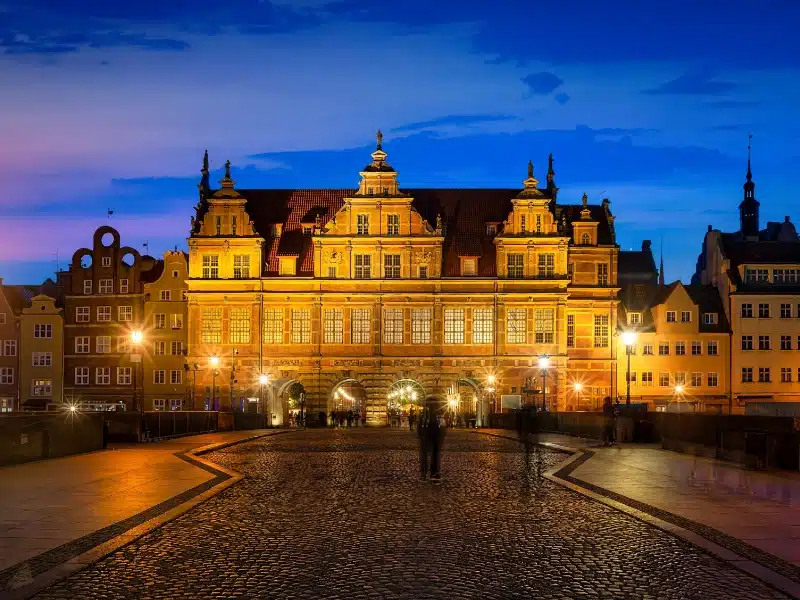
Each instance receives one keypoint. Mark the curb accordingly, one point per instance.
(65, 560)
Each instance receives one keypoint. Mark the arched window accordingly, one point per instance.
(586, 239)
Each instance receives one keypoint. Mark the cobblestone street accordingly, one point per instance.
(343, 514)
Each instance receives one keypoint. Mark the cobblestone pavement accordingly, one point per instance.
(342, 514)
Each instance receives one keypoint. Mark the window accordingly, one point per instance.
(160, 348)
(747, 310)
(331, 272)
(663, 348)
(175, 274)
(393, 326)
(672, 316)
(219, 225)
(9, 348)
(175, 404)
(601, 331)
(634, 318)
(176, 348)
(786, 342)
(712, 380)
(763, 342)
(87, 286)
(522, 224)
(287, 265)
(538, 223)
(123, 286)
(363, 266)
(124, 375)
(680, 348)
(82, 314)
(125, 313)
(332, 326)
(570, 270)
(42, 331)
(763, 311)
(712, 348)
(2, 318)
(631, 376)
(123, 344)
(543, 322)
(7, 375)
(697, 379)
(176, 377)
(602, 274)
(491, 229)
(211, 266)
(360, 326)
(82, 344)
(160, 320)
(517, 325)
(391, 266)
(586, 239)
(647, 378)
(239, 325)
(663, 379)
(786, 311)
(81, 375)
(103, 314)
(362, 225)
(686, 316)
(423, 272)
(106, 261)
(482, 326)
(211, 326)
(763, 375)
(42, 359)
(106, 286)
(241, 266)
(273, 325)
(421, 326)
(301, 326)
(786, 375)
(159, 376)
(647, 349)
(697, 348)
(454, 326)
(102, 376)
(680, 378)
(103, 344)
(515, 266)
(467, 266)
(165, 295)
(307, 229)
(570, 331)
(393, 225)
(709, 318)
(177, 321)
(159, 404)
(747, 342)
(547, 265)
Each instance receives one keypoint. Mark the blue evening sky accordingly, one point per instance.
(109, 104)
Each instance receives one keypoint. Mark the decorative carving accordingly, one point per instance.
(348, 363)
(334, 257)
(226, 247)
(425, 257)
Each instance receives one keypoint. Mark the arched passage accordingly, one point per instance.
(284, 401)
(464, 402)
(347, 403)
(404, 399)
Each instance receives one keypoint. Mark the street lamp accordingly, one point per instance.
(578, 388)
(213, 360)
(629, 339)
(544, 362)
(136, 339)
(263, 380)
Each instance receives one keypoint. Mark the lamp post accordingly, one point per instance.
(234, 352)
(629, 339)
(214, 362)
(263, 380)
(544, 362)
(136, 339)
(194, 368)
(578, 388)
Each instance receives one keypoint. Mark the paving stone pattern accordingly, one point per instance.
(343, 514)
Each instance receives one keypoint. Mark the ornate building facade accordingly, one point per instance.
(378, 287)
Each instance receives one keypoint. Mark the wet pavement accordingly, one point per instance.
(343, 514)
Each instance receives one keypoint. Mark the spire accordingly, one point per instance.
(661, 267)
(530, 169)
(205, 184)
(748, 208)
(749, 186)
(551, 174)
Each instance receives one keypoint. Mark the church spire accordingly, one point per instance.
(551, 173)
(748, 209)
(205, 184)
(661, 266)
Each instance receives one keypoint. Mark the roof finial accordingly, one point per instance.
(227, 169)
(749, 141)
(379, 136)
(585, 200)
(530, 169)
(205, 161)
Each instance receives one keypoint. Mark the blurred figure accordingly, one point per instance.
(608, 421)
(430, 430)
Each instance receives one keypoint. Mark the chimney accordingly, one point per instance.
(786, 219)
(709, 229)
(646, 245)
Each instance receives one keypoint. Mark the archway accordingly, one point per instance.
(286, 402)
(404, 399)
(464, 402)
(347, 404)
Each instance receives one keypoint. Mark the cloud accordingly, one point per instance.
(457, 120)
(542, 83)
(700, 84)
(562, 98)
(732, 104)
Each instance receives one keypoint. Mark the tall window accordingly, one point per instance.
(81, 375)
(103, 344)
(42, 359)
(103, 314)
(393, 326)
(87, 286)
(672, 316)
(124, 375)
(586, 239)
(166, 295)
(482, 325)
(538, 223)
(363, 266)
(332, 326)
(301, 325)
(680, 348)
(712, 380)
(570, 331)
(516, 266)
(547, 265)
(125, 313)
(160, 376)
(176, 348)
(763, 310)
(211, 266)
(393, 225)
(362, 225)
(124, 344)
(211, 326)
(241, 266)
(160, 348)
(360, 326)
(686, 316)
(9, 347)
(697, 348)
(697, 379)
(82, 344)
(544, 325)
(160, 320)
(391, 266)
(123, 286)
(763, 375)
(601, 331)
(523, 224)
(423, 272)
(273, 325)
(176, 321)
(764, 342)
(421, 326)
(82, 314)
(454, 326)
(747, 374)
(175, 377)
(239, 326)
(747, 342)
(712, 348)
(106, 286)
(102, 376)
(517, 325)
(747, 310)
(602, 274)
(43, 330)
(786, 342)
(786, 311)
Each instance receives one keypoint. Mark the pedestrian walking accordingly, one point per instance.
(430, 431)
(608, 421)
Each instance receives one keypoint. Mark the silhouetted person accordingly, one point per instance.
(430, 430)
(608, 421)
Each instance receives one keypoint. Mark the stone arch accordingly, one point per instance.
(278, 403)
(102, 231)
(405, 396)
(78, 259)
(348, 394)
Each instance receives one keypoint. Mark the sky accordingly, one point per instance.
(110, 105)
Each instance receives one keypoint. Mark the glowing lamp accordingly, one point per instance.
(136, 337)
(678, 389)
(629, 338)
(490, 379)
(214, 360)
(263, 379)
(544, 362)
(578, 387)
